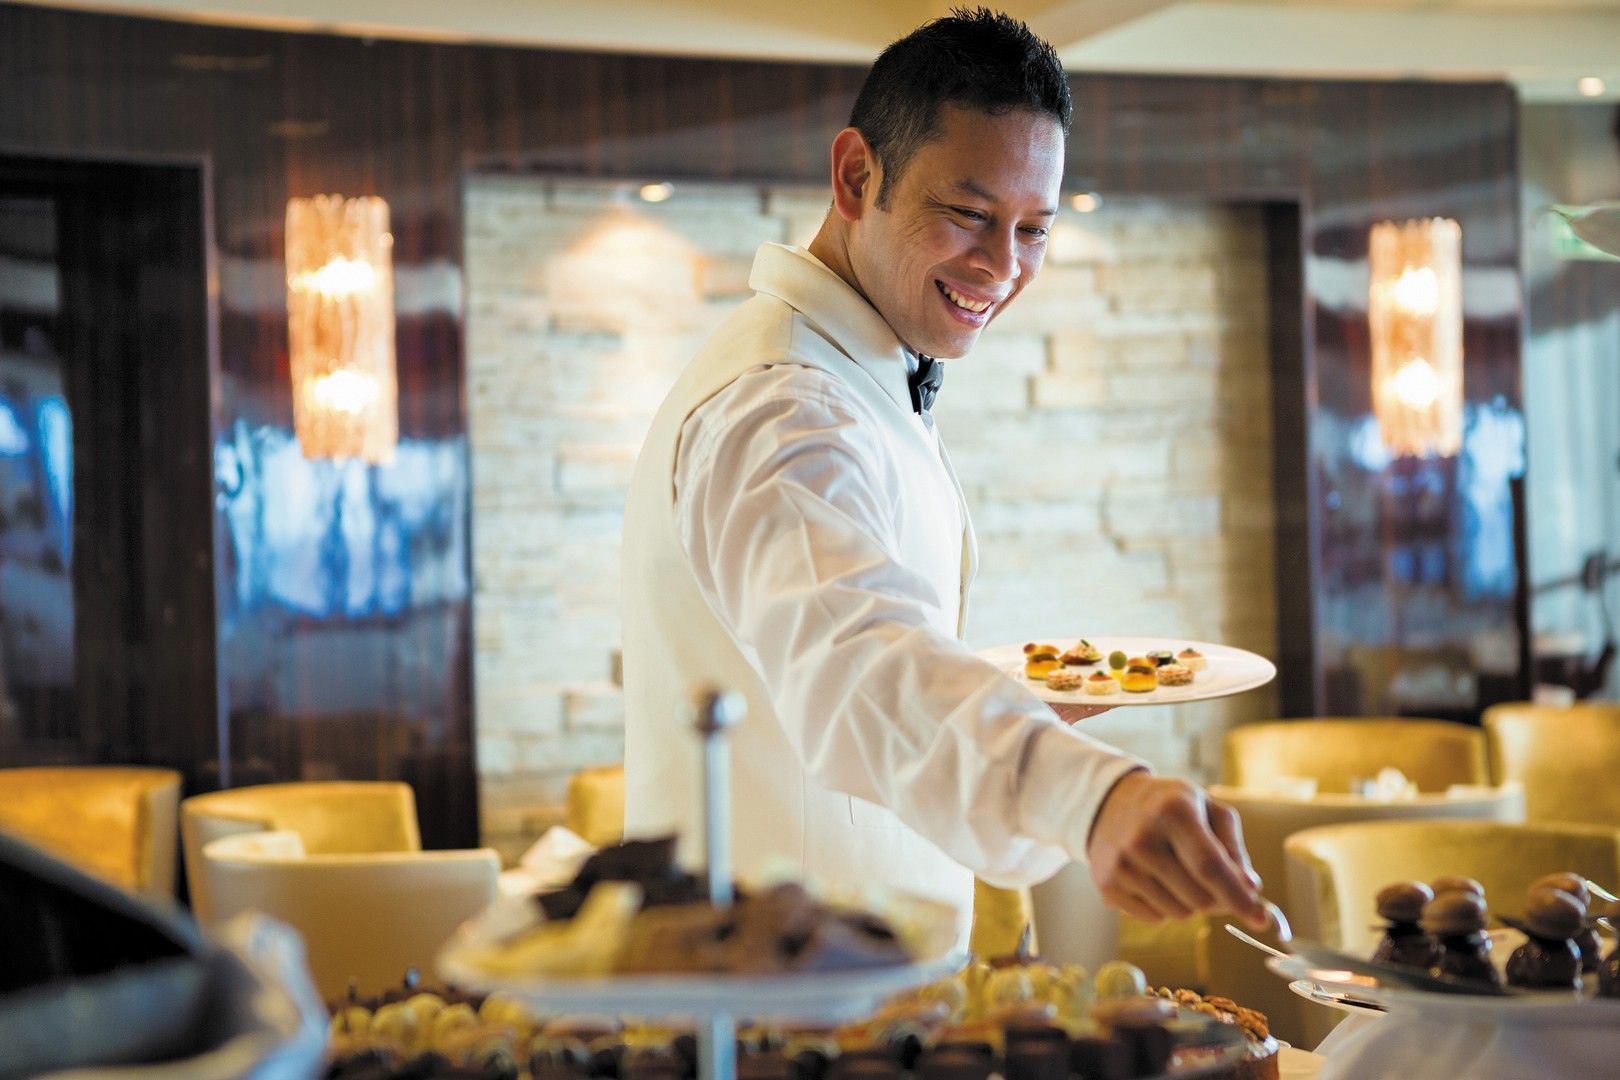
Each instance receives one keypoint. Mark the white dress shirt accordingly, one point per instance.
(834, 557)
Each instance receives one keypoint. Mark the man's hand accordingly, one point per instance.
(1070, 714)
(1162, 849)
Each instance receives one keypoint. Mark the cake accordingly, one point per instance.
(1065, 680)
(1140, 676)
(1173, 674)
(1263, 1058)
(1099, 683)
(1192, 659)
(1040, 661)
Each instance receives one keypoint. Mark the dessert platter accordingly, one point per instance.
(1116, 671)
(1012, 1016)
(634, 933)
(1439, 957)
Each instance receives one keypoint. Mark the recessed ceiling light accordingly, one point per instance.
(1086, 201)
(1591, 86)
(657, 192)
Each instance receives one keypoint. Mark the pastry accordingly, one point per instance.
(1549, 958)
(1587, 940)
(1405, 942)
(1099, 683)
(1083, 654)
(1161, 657)
(1453, 883)
(1456, 920)
(1263, 1061)
(1065, 680)
(1140, 676)
(1174, 674)
(1040, 660)
(1191, 659)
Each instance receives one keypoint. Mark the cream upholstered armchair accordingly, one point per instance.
(363, 916)
(1434, 754)
(1566, 757)
(115, 822)
(336, 817)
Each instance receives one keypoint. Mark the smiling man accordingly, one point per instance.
(795, 532)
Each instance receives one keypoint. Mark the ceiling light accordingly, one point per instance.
(1086, 201)
(657, 192)
(1591, 86)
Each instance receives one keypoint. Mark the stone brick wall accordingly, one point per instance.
(1112, 431)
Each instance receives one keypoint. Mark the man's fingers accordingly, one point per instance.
(1207, 860)
(1157, 861)
(1228, 829)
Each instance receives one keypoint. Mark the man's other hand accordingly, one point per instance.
(1162, 849)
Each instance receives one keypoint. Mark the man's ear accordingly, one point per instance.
(856, 174)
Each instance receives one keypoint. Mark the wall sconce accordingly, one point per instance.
(340, 328)
(1414, 306)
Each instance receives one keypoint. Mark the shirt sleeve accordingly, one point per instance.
(785, 509)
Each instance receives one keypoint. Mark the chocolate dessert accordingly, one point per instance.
(1587, 940)
(1549, 959)
(649, 864)
(1405, 942)
(1456, 919)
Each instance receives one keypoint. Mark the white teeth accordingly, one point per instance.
(963, 302)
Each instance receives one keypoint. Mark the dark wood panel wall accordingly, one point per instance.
(278, 115)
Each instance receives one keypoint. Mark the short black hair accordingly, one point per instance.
(973, 58)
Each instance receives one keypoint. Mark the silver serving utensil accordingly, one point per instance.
(1279, 921)
(1249, 939)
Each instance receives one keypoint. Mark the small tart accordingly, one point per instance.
(1192, 659)
(1083, 654)
(1099, 684)
(1060, 679)
(1161, 657)
(1174, 675)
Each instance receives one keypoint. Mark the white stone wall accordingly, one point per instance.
(1112, 431)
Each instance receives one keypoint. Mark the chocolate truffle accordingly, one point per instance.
(1456, 919)
(1405, 942)
(1549, 959)
(1447, 883)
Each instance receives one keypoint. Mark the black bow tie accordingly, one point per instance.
(925, 383)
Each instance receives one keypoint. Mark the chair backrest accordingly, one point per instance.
(1434, 754)
(367, 917)
(331, 817)
(1335, 872)
(1567, 758)
(1268, 821)
(596, 804)
(112, 821)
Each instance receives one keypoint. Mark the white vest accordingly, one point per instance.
(673, 643)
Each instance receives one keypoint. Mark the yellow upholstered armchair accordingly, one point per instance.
(117, 823)
(363, 916)
(1434, 754)
(1566, 757)
(337, 817)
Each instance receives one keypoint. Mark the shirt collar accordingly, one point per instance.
(844, 317)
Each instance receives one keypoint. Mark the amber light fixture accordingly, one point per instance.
(1414, 306)
(340, 328)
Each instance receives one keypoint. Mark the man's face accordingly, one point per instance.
(965, 227)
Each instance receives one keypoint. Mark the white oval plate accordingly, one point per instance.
(1550, 1009)
(1230, 671)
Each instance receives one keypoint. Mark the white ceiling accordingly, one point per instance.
(1542, 45)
